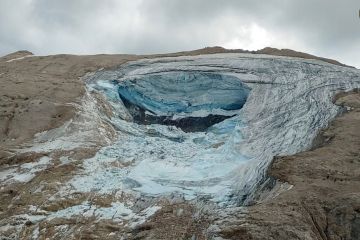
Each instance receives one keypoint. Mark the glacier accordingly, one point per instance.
(250, 109)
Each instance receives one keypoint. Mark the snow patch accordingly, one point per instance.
(25, 172)
(118, 212)
(19, 58)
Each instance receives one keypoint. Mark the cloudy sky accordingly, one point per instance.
(328, 28)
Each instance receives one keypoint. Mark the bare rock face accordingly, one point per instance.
(220, 146)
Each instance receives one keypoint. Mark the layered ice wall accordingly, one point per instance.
(184, 92)
(268, 106)
(189, 100)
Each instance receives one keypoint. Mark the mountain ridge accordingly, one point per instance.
(212, 50)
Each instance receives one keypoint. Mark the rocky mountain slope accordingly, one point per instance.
(178, 147)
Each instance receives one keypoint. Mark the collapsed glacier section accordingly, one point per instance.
(189, 100)
(289, 101)
(176, 135)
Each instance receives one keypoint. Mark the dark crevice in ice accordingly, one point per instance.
(187, 124)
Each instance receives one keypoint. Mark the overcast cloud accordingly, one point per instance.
(328, 28)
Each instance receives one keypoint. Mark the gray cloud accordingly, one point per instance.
(328, 28)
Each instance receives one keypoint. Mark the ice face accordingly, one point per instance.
(184, 92)
(189, 100)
